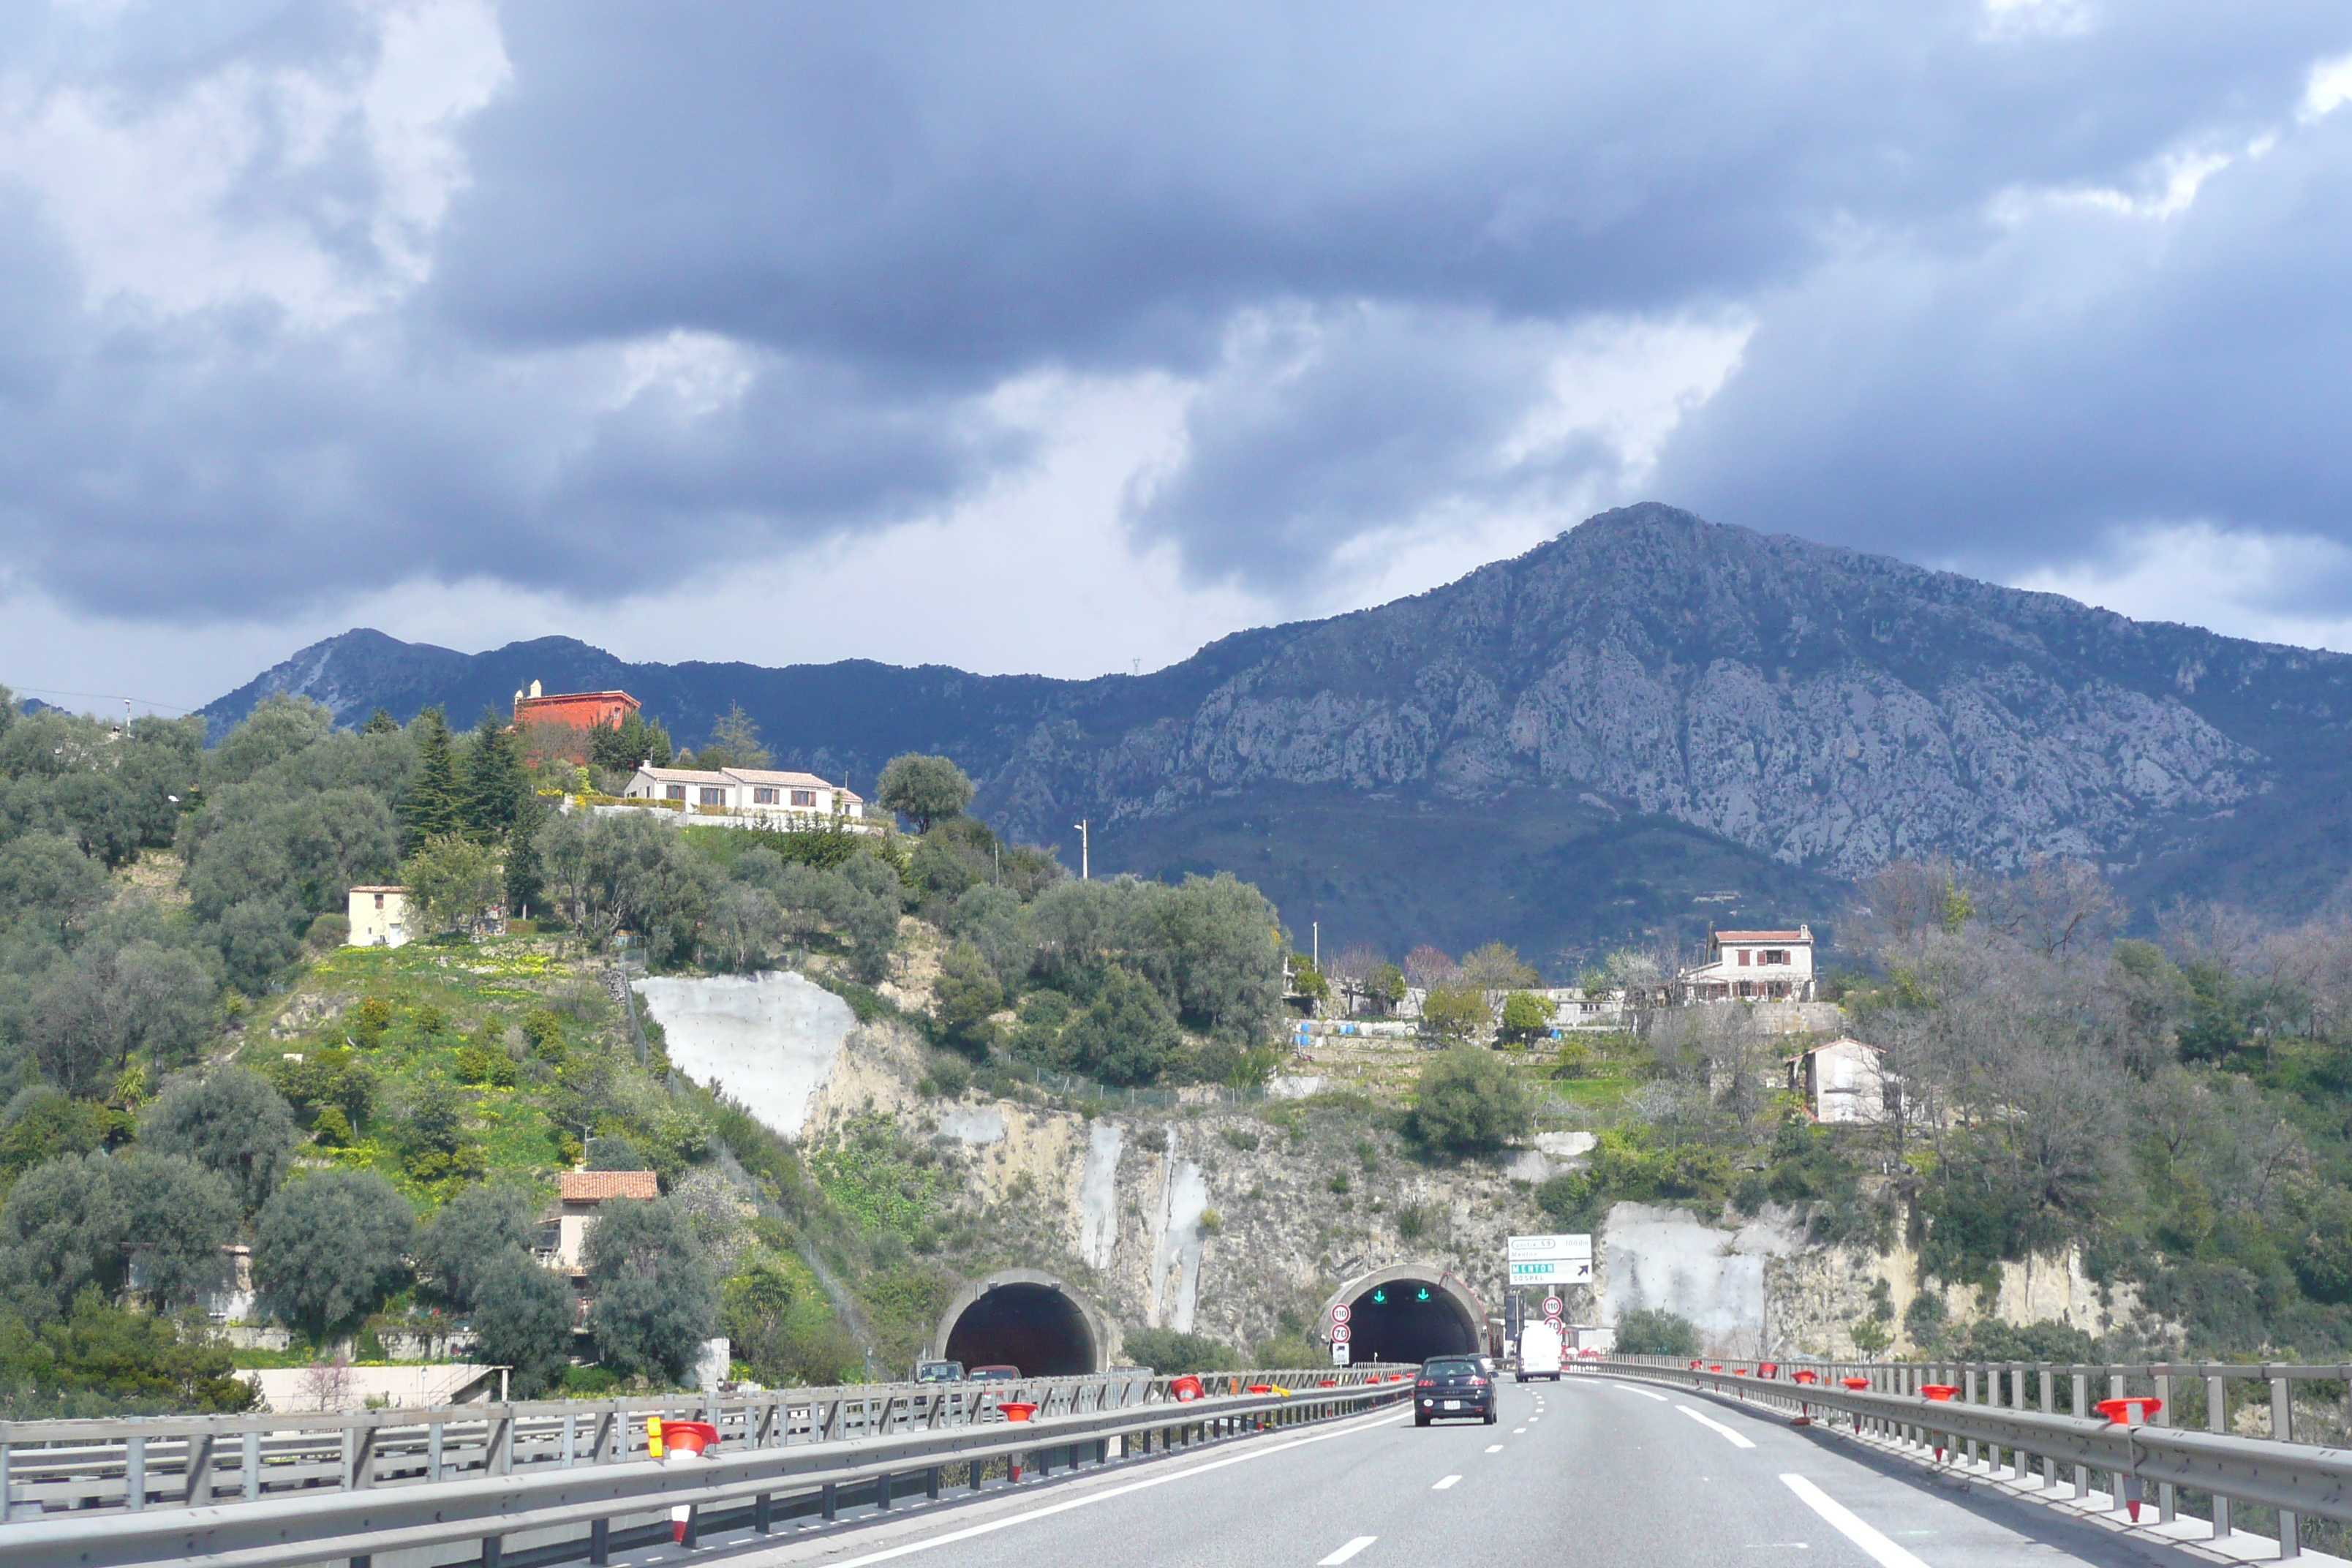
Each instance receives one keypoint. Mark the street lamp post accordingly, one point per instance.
(1081, 825)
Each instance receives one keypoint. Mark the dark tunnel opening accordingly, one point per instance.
(1032, 1327)
(1408, 1321)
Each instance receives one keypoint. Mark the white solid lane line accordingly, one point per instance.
(890, 1553)
(1448, 1481)
(1882, 1551)
(1736, 1439)
(1347, 1552)
(1643, 1392)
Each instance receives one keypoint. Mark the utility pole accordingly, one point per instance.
(1317, 928)
(1081, 825)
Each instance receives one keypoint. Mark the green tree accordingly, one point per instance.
(331, 1246)
(1126, 1037)
(1526, 1016)
(1172, 1354)
(1647, 1331)
(924, 789)
(278, 727)
(435, 801)
(380, 723)
(1469, 1101)
(654, 1304)
(452, 879)
(177, 1218)
(233, 1122)
(43, 1123)
(100, 1358)
(755, 1308)
(48, 886)
(522, 1315)
(964, 996)
(734, 743)
(497, 788)
(475, 1226)
(1455, 1011)
(92, 1220)
(629, 745)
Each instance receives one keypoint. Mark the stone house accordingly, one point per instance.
(1765, 965)
(379, 918)
(1844, 1082)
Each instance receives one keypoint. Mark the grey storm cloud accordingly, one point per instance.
(304, 297)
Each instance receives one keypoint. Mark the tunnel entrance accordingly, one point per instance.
(1409, 1314)
(1025, 1319)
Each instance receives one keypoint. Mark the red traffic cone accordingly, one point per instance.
(2132, 1410)
(683, 1443)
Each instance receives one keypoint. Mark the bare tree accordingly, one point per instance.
(1426, 966)
(2055, 908)
(1903, 901)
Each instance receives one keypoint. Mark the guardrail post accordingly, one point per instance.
(932, 1484)
(600, 1542)
(135, 1473)
(2216, 1419)
(2283, 1431)
(829, 1502)
(197, 1480)
(976, 1467)
(491, 1545)
(252, 1466)
(882, 1492)
(2166, 1500)
(433, 1441)
(2081, 1387)
(7, 1497)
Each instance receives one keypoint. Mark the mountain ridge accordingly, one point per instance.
(1772, 713)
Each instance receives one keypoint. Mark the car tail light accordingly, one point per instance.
(1426, 1383)
(1477, 1382)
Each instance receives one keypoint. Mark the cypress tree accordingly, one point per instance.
(435, 801)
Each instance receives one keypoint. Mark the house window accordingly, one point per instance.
(379, 901)
(675, 793)
(1774, 955)
(803, 797)
(763, 795)
(713, 796)
(1743, 958)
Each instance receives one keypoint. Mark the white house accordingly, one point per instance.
(1775, 965)
(1844, 1082)
(796, 800)
(379, 918)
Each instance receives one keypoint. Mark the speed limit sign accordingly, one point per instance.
(1342, 1313)
(1552, 1306)
(1342, 1333)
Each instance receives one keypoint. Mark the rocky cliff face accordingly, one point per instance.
(1679, 711)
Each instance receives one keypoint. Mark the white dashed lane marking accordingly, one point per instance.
(1882, 1551)
(1736, 1439)
(1347, 1552)
(1442, 1484)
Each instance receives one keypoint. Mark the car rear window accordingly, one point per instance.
(1457, 1367)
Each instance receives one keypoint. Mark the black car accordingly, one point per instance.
(1453, 1388)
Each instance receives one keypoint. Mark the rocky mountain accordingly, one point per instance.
(1643, 724)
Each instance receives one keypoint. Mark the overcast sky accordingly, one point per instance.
(1030, 337)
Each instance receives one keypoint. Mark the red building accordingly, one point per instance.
(580, 710)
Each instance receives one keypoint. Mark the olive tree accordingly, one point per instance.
(655, 1303)
(522, 1315)
(333, 1246)
(924, 789)
(1469, 1101)
(233, 1122)
(474, 1228)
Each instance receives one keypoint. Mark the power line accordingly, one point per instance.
(100, 697)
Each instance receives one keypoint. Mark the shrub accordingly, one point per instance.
(329, 931)
(1172, 1354)
(1469, 1101)
(1656, 1332)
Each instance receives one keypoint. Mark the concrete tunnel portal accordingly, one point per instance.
(1021, 1317)
(1408, 1314)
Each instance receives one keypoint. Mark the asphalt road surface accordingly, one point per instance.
(1587, 1471)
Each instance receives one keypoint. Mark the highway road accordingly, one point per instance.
(1588, 1471)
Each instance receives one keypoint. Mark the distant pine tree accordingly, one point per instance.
(435, 801)
(380, 723)
(498, 786)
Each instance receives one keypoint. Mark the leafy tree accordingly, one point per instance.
(522, 1315)
(48, 886)
(434, 1138)
(1455, 1011)
(1126, 1037)
(1468, 1101)
(609, 1153)
(89, 1017)
(626, 872)
(1172, 1354)
(101, 1359)
(965, 995)
(474, 1227)
(924, 789)
(745, 927)
(1307, 980)
(754, 1309)
(257, 940)
(1647, 1331)
(435, 801)
(453, 879)
(1497, 968)
(176, 1217)
(331, 1246)
(43, 1123)
(654, 1304)
(1385, 986)
(380, 723)
(278, 727)
(1526, 1016)
(61, 1230)
(498, 790)
(305, 852)
(233, 1122)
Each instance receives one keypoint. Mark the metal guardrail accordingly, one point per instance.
(919, 1430)
(2300, 1479)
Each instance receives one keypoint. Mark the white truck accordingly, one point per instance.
(1539, 1349)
